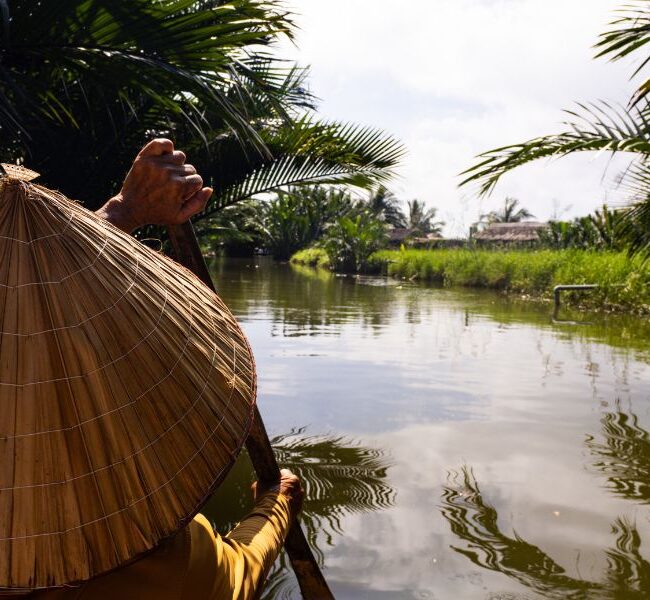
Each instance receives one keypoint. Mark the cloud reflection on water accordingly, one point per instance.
(439, 378)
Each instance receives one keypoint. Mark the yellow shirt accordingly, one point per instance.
(197, 564)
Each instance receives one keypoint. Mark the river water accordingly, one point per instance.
(453, 443)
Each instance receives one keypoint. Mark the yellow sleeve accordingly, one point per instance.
(236, 566)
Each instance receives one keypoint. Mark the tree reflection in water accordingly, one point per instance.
(623, 456)
(475, 524)
(340, 477)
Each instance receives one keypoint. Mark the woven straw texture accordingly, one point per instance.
(126, 392)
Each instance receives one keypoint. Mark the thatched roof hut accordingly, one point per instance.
(423, 241)
(524, 232)
(399, 235)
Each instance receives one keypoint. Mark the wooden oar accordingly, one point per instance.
(310, 578)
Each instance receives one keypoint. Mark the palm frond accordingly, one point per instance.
(170, 52)
(595, 127)
(633, 224)
(310, 152)
(629, 33)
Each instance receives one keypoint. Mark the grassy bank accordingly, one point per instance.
(311, 257)
(624, 282)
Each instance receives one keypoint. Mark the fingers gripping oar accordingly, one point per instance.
(310, 578)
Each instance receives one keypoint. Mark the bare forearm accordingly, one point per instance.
(118, 214)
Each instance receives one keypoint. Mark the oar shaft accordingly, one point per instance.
(310, 578)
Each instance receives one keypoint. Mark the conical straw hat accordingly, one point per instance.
(126, 392)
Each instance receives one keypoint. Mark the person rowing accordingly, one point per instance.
(127, 390)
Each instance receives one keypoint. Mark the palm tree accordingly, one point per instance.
(84, 82)
(421, 219)
(598, 127)
(385, 205)
(296, 218)
(509, 213)
(352, 239)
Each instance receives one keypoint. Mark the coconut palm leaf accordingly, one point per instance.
(90, 51)
(595, 127)
(633, 222)
(509, 213)
(629, 33)
(385, 205)
(308, 151)
(105, 146)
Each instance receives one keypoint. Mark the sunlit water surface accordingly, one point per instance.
(454, 444)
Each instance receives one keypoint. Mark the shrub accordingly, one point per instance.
(312, 257)
(351, 240)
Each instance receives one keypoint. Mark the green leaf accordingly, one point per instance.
(310, 151)
(594, 127)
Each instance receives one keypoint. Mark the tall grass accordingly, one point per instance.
(624, 282)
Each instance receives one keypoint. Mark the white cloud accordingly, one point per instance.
(453, 78)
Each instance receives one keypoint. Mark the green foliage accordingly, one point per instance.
(298, 217)
(600, 230)
(594, 128)
(351, 240)
(301, 152)
(312, 257)
(629, 32)
(597, 127)
(83, 83)
(624, 282)
(237, 229)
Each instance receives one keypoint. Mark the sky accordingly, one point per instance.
(453, 78)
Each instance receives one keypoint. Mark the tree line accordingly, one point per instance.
(348, 227)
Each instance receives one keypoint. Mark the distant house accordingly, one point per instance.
(399, 235)
(525, 232)
(425, 241)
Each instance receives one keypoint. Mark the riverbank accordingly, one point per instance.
(624, 283)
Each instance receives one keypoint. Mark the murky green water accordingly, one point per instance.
(454, 444)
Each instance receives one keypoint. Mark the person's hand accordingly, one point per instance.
(289, 486)
(159, 189)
